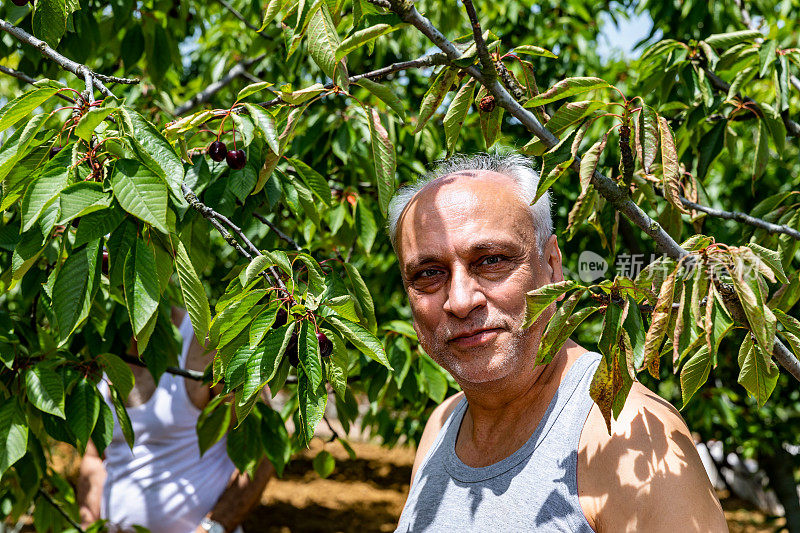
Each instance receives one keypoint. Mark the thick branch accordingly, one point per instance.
(277, 231)
(488, 68)
(177, 371)
(239, 16)
(217, 220)
(792, 127)
(64, 62)
(239, 69)
(617, 197)
(27, 79)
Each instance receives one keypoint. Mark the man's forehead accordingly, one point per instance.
(477, 199)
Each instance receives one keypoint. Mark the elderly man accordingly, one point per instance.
(523, 447)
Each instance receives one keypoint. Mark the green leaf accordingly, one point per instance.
(266, 125)
(531, 50)
(90, 120)
(771, 258)
(301, 95)
(322, 44)
(244, 445)
(262, 324)
(434, 96)
(695, 372)
(386, 95)
(548, 346)
(122, 416)
(140, 192)
(43, 191)
(213, 423)
(758, 314)
(766, 56)
(157, 153)
(318, 185)
(82, 198)
(457, 112)
(366, 228)
(74, 286)
(49, 20)
(272, 8)
(606, 384)
(253, 88)
(433, 378)
(490, 124)
(759, 374)
(670, 175)
(13, 434)
(324, 463)
(308, 354)
(274, 438)
(726, 40)
(362, 295)
(141, 286)
(589, 162)
(103, 430)
(710, 146)
(265, 361)
(316, 279)
(762, 150)
(647, 136)
(97, 224)
(256, 267)
(118, 372)
(566, 88)
(362, 37)
(555, 162)
(361, 338)
(383, 157)
(540, 299)
(612, 329)
(45, 389)
(194, 295)
(19, 107)
(312, 405)
(82, 409)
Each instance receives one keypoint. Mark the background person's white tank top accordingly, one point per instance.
(163, 483)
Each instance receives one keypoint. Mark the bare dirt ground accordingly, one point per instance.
(367, 495)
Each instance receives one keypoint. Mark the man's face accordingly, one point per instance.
(468, 254)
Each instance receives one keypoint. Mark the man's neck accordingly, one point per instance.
(502, 416)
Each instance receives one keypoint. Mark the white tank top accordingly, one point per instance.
(163, 483)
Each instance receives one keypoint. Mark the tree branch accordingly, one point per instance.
(741, 217)
(177, 371)
(61, 510)
(239, 69)
(239, 16)
(277, 231)
(217, 220)
(617, 197)
(27, 79)
(488, 68)
(792, 127)
(64, 62)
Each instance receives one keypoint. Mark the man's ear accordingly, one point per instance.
(553, 258)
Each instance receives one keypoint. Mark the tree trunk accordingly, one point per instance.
(779, 467)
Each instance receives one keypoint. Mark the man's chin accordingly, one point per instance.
(476, 370)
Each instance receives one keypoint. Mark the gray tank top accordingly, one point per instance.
(533, 489)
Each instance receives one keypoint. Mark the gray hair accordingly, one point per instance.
(515, 166)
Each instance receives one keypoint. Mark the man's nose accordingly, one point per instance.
(464, 293)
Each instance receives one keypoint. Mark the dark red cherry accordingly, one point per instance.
(217, 150)
(19, 2)
(325, 345)
(53, 151)
(236, 159)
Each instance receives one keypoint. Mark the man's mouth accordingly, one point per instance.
(474, 338)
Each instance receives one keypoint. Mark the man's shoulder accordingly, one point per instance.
(432, 428)
(648, 459)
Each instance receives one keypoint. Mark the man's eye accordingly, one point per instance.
(428, 273)
(492, 260)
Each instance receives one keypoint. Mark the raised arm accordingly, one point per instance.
(91, 477)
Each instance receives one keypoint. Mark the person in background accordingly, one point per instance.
(163, 483)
